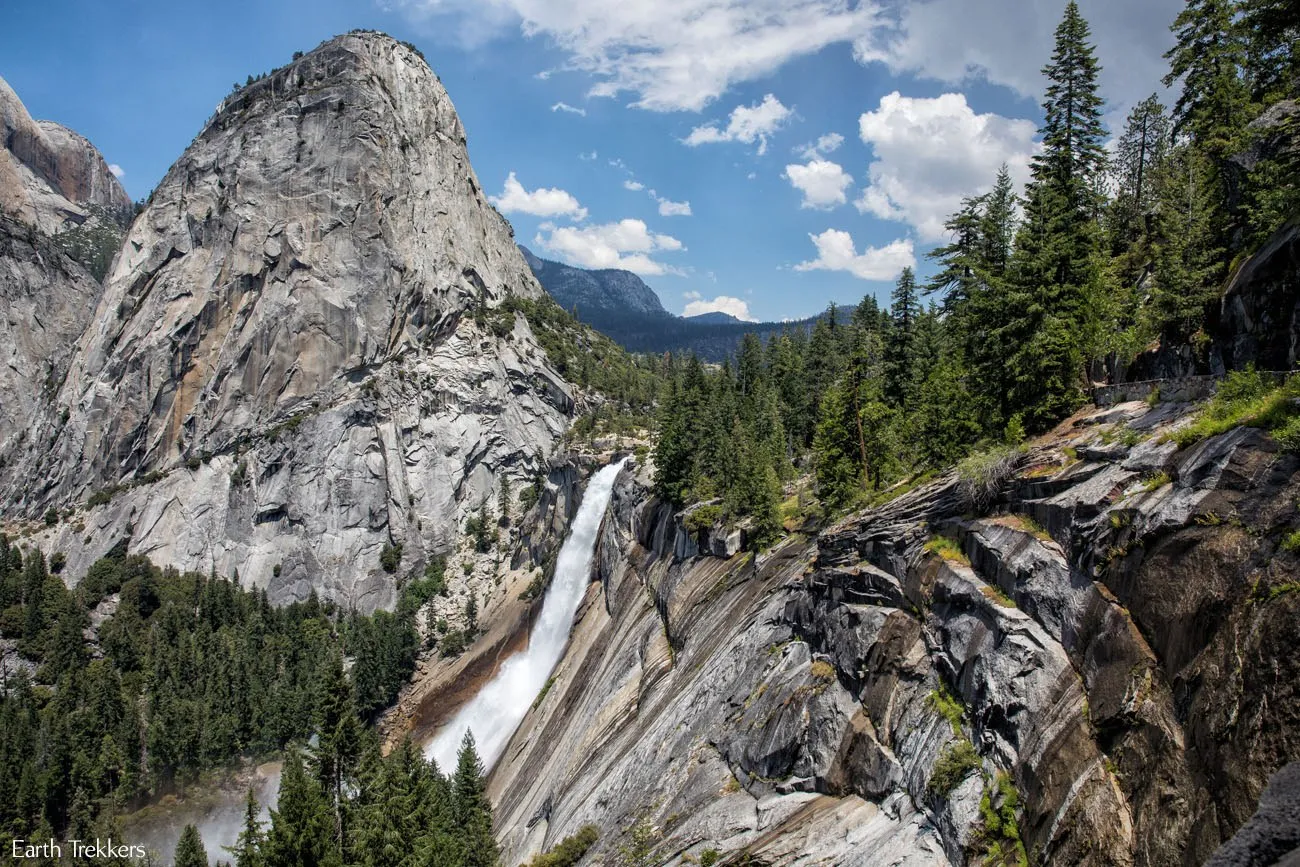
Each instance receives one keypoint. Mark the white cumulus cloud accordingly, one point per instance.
(627, 244)
(569, 109)
(824, 184)
(634, 186)
(837, 252)
(670, 54)
(747, 123)
(116, 170)
(929, 153)
(721, 304)
(541, 202)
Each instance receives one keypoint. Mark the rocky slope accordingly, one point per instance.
(299, 357)
(1097, 663)
(46, 300)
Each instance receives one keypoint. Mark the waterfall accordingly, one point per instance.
(495, 713)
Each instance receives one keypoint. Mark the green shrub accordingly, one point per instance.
(57, 562)
(533, 590)
(1158, 480)
(953, 765)
(998, 833)
(948, 706)
(570, 850)
(704, 518)
(453, 643)
(1247, 398)
(390, 557)
(709, 857)
(1291, 542)
(481, 530)
(528, 497)
(13, 621)
(51, 516)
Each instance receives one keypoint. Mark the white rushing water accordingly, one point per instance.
(495, 713)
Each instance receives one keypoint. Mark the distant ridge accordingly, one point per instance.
(619, 304)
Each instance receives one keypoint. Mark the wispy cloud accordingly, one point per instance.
(569, 109)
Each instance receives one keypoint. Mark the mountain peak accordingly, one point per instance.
(313, 284)
(51, 176)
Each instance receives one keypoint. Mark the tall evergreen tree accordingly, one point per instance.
(189, 849)
(904, 311)
(302, 829)
(472, 811)
(1052, 322)
(247, 848)
(1138, 155)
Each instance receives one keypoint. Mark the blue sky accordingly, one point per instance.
(762, 157)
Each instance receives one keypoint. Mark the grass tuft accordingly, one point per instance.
(948, 549)
(980, 476)
(954, 764)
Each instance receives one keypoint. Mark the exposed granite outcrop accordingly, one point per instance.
(300, 355)
(1114, 638)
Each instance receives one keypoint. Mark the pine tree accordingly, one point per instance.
(904, 311)
(1207, 58)
(997, 230)
(1214, 105)
(959, 265)
(247, 849)
(1273, 34)
(1052, 304)
(189, 850)
(338, 736)
(945, 421)
(472, 811)
(1138, 155)
(301, 825)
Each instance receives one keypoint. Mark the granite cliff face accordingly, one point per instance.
(1102, 649)
(51, 180)
(46, 300)
(300, 355)
(50, 176)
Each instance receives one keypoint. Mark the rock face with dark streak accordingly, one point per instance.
(1259, 315)
(1116, 640)
(301, 354)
